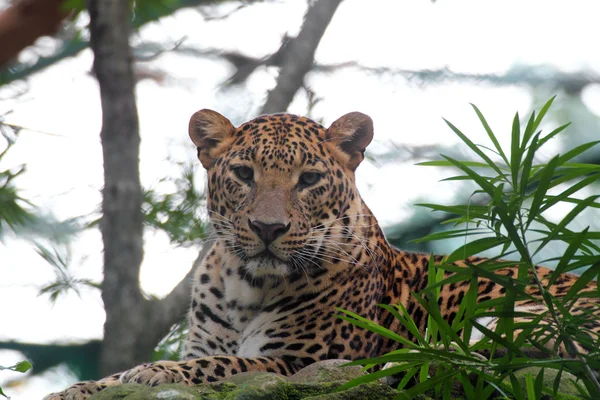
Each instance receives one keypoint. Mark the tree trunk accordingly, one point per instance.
(299, 57)
(121, 223)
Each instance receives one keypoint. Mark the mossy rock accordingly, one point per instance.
(565, 386)
(368, 391)
(142, 392)
(262, 386)
(327, 371)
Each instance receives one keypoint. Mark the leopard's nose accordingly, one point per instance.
(268, 232)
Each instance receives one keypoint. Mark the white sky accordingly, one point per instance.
(62, 112)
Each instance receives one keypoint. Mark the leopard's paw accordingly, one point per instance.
(78, 391)
(155, 373)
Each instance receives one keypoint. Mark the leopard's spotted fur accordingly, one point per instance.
(293, 241)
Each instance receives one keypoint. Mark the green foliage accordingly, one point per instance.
(177, 212)
(22, 366)
(13, 208)
(171, 346)
(519, 198)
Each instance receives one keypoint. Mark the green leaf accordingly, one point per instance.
(490, 134)
(474, 147)
(582, 281)
(372, 326)
(542, 113)
(442, 163)
(566, 220)
(515, 151)
(529, 129)
(567, 256)
(376, 376)
(432, 382)
(552, 134)
(552, 200)
(527, 164)
(576, 151)
(450, 234)
(475, 247)
(529, 386)
(539, 383)
(23, 366)
(481, 181)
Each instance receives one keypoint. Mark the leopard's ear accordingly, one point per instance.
(207, 130)
(352, 133)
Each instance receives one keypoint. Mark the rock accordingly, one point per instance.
(327, 371)
(244, 377)
(260, 386)
(566, 385)
(118, 392)
(142, 392)
(368, 391)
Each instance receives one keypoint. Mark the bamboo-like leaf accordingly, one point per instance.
(566, 220)
(490, 134)
(530, 387)
(567, 256)
(496, 337)
(407, 377)
(449, 235)
(576, 151)
(460, 209)
(406, 320)
(542, 113)
(432, 382)
(529, 129)
(476, 149)
(442, 163)
(435, 314)
(515, 151)
(552, 134)
(364, 323)
(582, 281)
(544, 183)
(552, 200)
(475, 247)
(377, 375)
(527, 164)
(481, 181)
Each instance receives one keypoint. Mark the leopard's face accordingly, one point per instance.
(280, 186)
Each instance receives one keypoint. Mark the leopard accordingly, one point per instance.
(293, 242)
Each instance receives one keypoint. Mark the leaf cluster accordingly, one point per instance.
(520, 194)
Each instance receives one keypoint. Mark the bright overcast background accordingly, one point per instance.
(61, 113)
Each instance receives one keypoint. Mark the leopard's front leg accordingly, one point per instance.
(205, 369)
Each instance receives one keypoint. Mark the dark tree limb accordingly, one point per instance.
(25, 21)
(170, 310)
(74, 46)
(121, 223)
(299, 54)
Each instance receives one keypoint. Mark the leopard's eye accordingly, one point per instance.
(309, 178)
(244, 173)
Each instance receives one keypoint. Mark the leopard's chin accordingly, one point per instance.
(267, 264)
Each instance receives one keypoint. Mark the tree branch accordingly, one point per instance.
(299, 56)
(24, 22)
(72, 47)
(174, 306)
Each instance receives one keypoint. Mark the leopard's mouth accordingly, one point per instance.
(266, 255)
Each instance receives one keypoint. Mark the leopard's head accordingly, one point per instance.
(281, 187)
